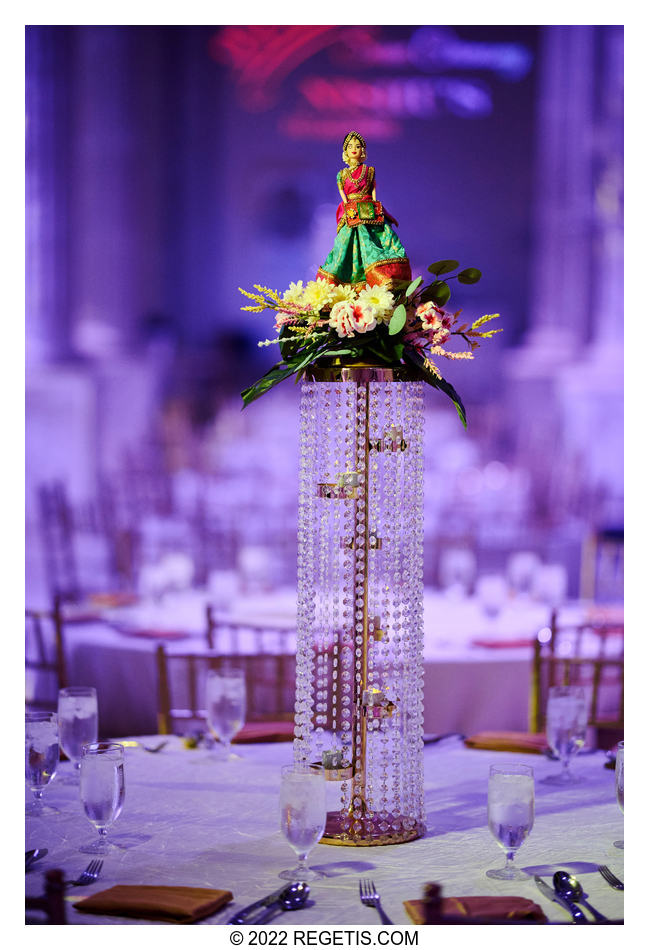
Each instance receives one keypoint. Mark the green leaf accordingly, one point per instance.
(277, 373)
(443, 267)
(439, 292)
(413, 286)
(397, 320)
(470, 275)
(398, 351)
(438, 383)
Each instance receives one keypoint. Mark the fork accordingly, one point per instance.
(89, 876)
(610, 878)
(370, 898)
(155, 748)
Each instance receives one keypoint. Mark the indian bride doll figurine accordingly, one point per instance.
(367, 249)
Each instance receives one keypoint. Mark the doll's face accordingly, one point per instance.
(354, 150)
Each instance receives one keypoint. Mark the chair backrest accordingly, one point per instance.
(583, 654)
(270, 686)
(52, 902)
(45, 668)
(602, 566)
(236, 637)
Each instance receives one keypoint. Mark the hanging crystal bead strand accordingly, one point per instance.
(413, 601)
(306, 574)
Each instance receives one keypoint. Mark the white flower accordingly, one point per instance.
(318, 294)
(294, 293)
(341, 318)
(379, 298)
(364, 317)
(349, 318)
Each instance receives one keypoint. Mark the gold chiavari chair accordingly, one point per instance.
(45, 666)
(270, 692)
(589, 654)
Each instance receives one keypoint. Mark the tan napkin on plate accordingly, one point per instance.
(176, 905)
(508, 741)
(486, 908)
(151, 634)
(266, 732)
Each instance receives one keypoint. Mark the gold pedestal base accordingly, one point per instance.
(369, 834)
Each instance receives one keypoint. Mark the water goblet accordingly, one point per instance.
(303, 814)
(619, 783)
(102, 790)
(565, 728)
(226, 705)
(77, 724)
(41, 757)
(510, 810)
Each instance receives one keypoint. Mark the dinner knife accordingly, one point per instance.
(577, 915)
(263, 902)
(35, 855)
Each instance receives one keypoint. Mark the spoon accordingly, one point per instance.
(566, 885)
(292, 897)
(35, 855)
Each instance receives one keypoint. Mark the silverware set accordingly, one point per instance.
(569, 894)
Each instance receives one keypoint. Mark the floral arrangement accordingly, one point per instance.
(319, 321)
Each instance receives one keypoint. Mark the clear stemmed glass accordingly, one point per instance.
(565, 728)
(619, 783)
(510, 812)
(41, 757)
(302, 815)
(77, 723)
(102, 790)
(226, 705)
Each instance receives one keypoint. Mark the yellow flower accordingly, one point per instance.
(344, 293)
(379, 298)
(294, 293)
(317, 294)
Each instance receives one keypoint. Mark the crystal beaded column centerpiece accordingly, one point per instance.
(359, 691)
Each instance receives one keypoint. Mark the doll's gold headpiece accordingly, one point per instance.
(353, 135)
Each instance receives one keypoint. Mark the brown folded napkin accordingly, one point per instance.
(508, 741)
(175, 905)
(155, 634)
(266, 732)
(486, 908)
(112, 599)
(503, 644)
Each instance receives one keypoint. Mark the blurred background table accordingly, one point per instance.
(189, 819)
(476, 667)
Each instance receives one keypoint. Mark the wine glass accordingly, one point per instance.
(510, 810)
(77, 723)
(41, 757)
(619, 783)
(102, 790)
(302, 815)
(491, 592)
(226, 704)
(565, 728)
(457, 567)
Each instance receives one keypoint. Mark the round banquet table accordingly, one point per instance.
(190, 818)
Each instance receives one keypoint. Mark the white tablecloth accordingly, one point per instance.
(189, 819)
(467, 688)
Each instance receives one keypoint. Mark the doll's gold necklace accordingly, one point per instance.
(352, 170)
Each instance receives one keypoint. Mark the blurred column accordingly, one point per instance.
(47, 86)
(608, 270)
(105, 232)
(562, 259)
